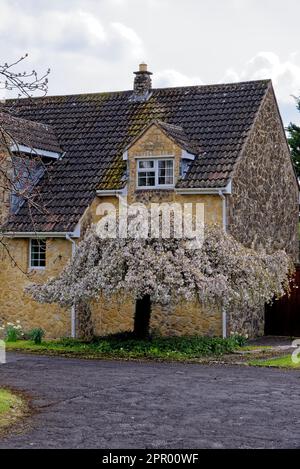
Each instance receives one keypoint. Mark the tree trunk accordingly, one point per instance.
(142, 317)
(85, 329)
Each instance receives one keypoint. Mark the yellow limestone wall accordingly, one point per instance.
(15, 304)
(116, 314)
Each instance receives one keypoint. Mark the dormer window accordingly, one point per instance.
(155, 173)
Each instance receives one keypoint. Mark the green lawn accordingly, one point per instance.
(5, 400)
(123, 346)
(281, 362)
(11, 408)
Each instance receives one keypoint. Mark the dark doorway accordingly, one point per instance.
(142, 317)
(283, 316)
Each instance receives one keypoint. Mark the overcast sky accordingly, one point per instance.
(95, 45)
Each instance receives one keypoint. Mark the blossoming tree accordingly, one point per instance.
(220, 272)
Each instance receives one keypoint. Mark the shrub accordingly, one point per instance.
(185, 346)
(36, 335)
(69, 342)
(126, 345)
(12, 331)
(240, 340)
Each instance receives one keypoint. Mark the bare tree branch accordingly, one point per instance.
(26, 84)
(19, 172)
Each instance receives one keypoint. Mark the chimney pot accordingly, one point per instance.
(143, 67)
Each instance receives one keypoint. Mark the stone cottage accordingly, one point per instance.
(223, 145)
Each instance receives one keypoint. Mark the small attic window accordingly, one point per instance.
(26, 172)
(184, 166)
(156, 173)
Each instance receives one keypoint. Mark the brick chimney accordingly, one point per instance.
(142, 83)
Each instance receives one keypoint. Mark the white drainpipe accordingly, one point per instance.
(73, 313)
(224, 215)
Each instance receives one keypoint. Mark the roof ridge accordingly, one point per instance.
(216, 85)
(100, 93)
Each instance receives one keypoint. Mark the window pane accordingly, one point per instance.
(146, 178)
(146, 164)
(142, 181)
(165, 172)
(150, 181)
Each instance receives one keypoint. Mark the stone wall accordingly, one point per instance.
(187, 318)
(263, 209)
(117, 315)
(15, 304)
(248, 322)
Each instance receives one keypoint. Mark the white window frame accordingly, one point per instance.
(33, 267)
(155, 170)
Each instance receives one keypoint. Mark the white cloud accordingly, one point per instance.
(172, 77)
(131, 39)
(117, 2)
(94, 45)
(284, 74)
(74, 31)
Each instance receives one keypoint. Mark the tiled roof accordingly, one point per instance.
(94, 130)
(178, 134)
(31, 134)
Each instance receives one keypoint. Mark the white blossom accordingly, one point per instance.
(221, 272)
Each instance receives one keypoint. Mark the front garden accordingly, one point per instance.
(125, 346)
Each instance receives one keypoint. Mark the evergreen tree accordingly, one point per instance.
(294, 142)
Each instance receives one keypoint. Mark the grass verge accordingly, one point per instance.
(123, 346)
(280, 362)
(251, 348)
(12, 408)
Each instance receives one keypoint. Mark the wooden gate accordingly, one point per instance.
(283, 316)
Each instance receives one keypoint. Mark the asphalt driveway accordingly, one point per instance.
(102, 404)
